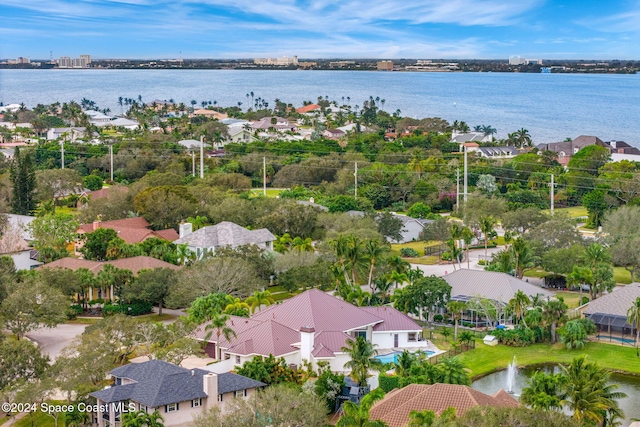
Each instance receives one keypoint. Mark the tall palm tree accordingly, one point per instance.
(554, 313)
(358, 297)
(456, 231)
(403, 363)
(258, 299)
(519, 304)
(218, 322)
(467, 237)
(522, 255)
(373, 252)
(633, 318)
(302, 245)
(522, 137)
(487, 228)
(358, 415)
(362, 354)
(456, 308)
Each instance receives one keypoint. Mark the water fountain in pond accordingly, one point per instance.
(512, 372)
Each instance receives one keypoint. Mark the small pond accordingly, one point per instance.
(627, 384)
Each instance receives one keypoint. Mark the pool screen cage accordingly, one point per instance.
(613, 328)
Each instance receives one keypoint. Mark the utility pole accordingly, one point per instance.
(457, 188)
(355, 174)
(62, 152)
(202, 157)
(552, 189)
(111, 160)
(465, 174)
(264, 176)
(193, 163)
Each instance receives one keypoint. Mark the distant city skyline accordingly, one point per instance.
(385, 29)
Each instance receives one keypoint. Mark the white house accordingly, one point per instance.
(411, 228)
(313, 326)
(16, 242)
(69, 134)
(223, 234)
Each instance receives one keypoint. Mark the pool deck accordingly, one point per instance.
(429, 346)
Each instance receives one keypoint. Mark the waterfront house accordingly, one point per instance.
(609, 312)
(505, 152)
(567, 149)
(213, 114)
(68, 134)
(224, 234)
(178, 394)
(308, 108)
(395, 408)
(312, 326)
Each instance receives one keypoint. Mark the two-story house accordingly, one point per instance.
(178, 394)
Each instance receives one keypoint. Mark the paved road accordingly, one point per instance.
(53, 340)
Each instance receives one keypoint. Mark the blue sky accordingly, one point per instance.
(574, 29)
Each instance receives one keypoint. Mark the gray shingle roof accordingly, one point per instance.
(617, 302)
(226, 234)
(159, 383)
(491, 285)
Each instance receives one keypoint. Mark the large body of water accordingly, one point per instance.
(627, 384)
(551, 106)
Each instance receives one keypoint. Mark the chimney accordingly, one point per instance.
(307, 334)
(186, 228)
(612, 144)
(95, 225)
(210, 387)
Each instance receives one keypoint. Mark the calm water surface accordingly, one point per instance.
(551, 106)
(628, 384)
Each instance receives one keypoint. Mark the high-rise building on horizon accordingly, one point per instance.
(278, 62)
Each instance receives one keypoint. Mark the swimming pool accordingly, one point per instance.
(393, 357)
(622, 340)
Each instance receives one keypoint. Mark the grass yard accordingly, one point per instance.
(485, 359)
(417, 246)
(572, 299)
(271, 192)
(66, 210)
(40, 419)
(83, 320)
(573, 212)
(621, 275)
(157, 317)
(535, 273)
(425, 260)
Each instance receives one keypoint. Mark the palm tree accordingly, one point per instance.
(522, 138)
(487, 228)
(358, 297)
(282, 243)
(544, 391)
(302, 245)
(518, 305)
(76, 418)
(373, 251)
(218, 322)
(358, 415)
(522, 255)
(425, 418)
(258, 299)
(467, 237)
(397, 277)
(383, 286)
(553, 313)
(403, 363)
(633, 318)
(456, 308)
(362, 355)
(452, 371)
(588, 393)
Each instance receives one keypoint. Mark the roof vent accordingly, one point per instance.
(193, 372)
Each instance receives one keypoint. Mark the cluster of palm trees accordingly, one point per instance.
(297, 244)
(520, 138)
(142, 419)
(582, 387)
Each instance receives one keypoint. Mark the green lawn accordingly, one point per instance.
(271, 192)
(621, 275)
(83, 320)
(40, 419)
(572, 299)
(485, 359)
(146, 318)
(425, 260)
(573, 212)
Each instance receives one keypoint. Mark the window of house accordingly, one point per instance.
(118, 381)
(237, 359)
(362, 334)
(412, 336)
(241, 393)
(172, 407)
(219, 398)
(195, 403)
(142, 407)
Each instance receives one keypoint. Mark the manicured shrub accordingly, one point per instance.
(409, 253)
(388, 382)
(136, 308)
(520, 337)
(74, 311)
(438, 318)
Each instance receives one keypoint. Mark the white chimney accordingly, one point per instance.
(307, 335)
(186, 228)
(612, 144)
(210, 387)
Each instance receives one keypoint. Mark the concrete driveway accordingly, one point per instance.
(52, 340)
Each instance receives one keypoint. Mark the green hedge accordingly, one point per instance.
(409, 253)
(388, 383)
(136, 308)
(74, 311)
(520, 337)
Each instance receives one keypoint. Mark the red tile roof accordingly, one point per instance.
(134, 264)
(395, 408)
(131, 230)
(307, 108)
